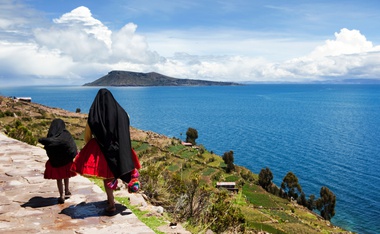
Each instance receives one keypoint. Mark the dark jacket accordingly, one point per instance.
(59, 144)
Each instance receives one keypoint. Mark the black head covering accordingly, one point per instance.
(59, 144)
(109, 123)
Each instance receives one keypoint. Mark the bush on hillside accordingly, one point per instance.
(20, 132)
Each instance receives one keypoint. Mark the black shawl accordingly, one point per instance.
(109, 123)
(59, 144)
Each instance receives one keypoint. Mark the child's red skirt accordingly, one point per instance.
(91, 162)
(56, 173)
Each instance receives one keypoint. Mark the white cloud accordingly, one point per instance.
(79, 48)
(346, 42)
(86, 39)
(127, 45)
(350, 55)
(74, 46)
(27, 59)
(81, 17)
(78, 35)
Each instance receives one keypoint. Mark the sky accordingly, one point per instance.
(60, 42)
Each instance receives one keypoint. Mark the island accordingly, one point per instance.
(129, 78)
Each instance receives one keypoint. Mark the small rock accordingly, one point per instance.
(159, 209)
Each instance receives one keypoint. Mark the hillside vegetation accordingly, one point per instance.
(182, 179)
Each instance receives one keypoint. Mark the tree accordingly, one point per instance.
(228, 158)
(191, 135)
(223, 216)
(326, 203)
(291, 186)
(193, 185)
(311, 202)
(302, 200)
(265, 178)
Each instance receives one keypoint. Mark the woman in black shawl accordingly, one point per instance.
(108, 153)
(61, 149)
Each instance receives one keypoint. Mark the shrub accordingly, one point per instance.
(223, 216)
(8, 113)
(21, 133)
(26, 118)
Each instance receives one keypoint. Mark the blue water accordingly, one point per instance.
(328, 135)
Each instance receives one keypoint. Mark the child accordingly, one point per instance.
(61, 150)
(108, 152)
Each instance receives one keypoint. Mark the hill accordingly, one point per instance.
(182, 179)
(128, 78)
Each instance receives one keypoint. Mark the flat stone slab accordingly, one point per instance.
(28, 202)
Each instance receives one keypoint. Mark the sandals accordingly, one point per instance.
(67, 195)
(61, 200)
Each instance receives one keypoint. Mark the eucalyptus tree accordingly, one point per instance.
(326, 203)
(191, 135)
(265, 178)
(290, 186)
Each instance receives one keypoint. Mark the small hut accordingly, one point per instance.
(230, 186)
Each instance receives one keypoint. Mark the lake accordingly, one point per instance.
(327, 135)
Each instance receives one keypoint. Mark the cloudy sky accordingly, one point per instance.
(60, 42)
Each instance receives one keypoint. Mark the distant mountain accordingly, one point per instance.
(128, 78)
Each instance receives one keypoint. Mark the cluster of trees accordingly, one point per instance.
(188, 199)
(291, 189)
(228, 157)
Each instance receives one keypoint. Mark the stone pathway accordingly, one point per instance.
(28, 202)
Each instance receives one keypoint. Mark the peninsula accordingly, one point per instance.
(128, 78)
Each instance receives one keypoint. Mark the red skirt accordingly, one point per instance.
(56, 173)
(91, 162)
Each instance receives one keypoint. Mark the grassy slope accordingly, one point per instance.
(263, 211)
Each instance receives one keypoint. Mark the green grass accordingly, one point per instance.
(259, 197)
(150, 221)
(240, 199)
(283, 216)
(187, 154)
(176, 148)
(232, 178)
(266, 227)
(173, 167)
(139, 147)
(254, 215)
(208, 171)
